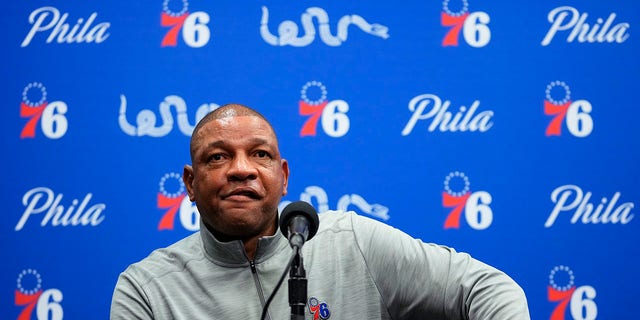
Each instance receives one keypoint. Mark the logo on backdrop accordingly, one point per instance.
(345, 203)
(146, 119)
(569, 21)
(191, 26)
(172, 197)
(50, 116)
(445, 121)
(563, 292)
(288, 30)
(458, 196)
(474, 26)
(571, 198)
(332, 115)
(575, 114)
(44, 200)
(29, 295)
(49, 19)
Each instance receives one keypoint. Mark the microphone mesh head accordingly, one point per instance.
(299, 208)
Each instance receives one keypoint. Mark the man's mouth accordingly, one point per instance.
(243, 192)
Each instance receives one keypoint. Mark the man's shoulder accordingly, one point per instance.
(335, 219)
(340, 221)
(173, 258)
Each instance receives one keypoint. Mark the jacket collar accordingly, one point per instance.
(232, 253)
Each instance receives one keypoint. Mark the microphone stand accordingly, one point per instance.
(297, 287)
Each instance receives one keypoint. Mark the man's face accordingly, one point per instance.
(238, 177)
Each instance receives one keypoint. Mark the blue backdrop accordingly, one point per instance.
(504, 129)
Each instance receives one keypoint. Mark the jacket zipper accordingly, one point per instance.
(254, 272)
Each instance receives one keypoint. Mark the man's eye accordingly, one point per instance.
(262, 154)
(216, 157)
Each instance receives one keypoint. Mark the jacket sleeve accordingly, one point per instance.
(129, 300)
(420, 280)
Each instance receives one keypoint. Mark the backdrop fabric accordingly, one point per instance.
(505, 129)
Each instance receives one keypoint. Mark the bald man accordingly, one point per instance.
(357, 268)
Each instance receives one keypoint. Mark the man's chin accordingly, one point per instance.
(241, 207)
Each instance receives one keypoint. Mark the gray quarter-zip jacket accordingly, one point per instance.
(357, 268)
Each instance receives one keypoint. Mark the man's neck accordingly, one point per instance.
(250, 243)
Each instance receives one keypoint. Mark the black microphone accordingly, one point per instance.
(299, 222)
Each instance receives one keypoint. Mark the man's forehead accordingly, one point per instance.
(231, 112)
(231, 118)
(243, 127)
(238, 122)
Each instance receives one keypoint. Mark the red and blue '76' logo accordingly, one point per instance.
(332, 115)
(31, 297)
(50, 116)
(575, 114)
(195, 32)
(458, 196)
(319, 310)
(474, 26)
(563, 291)
(176, 203)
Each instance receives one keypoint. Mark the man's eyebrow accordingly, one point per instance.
(259, 141)
(254, 141)
(215, 144)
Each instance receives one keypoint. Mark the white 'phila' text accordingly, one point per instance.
(569, 198)
(50, 19)
(443, 120)
(568, 18)
(42, 199)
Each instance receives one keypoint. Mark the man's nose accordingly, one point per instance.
(242, 168)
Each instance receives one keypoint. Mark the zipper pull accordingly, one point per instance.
(252, 264)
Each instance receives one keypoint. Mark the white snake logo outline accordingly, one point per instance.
(288, 30)
(146, 119)
(310, 192)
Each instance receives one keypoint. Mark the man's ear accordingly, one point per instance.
(187, 178)
(285, 176)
